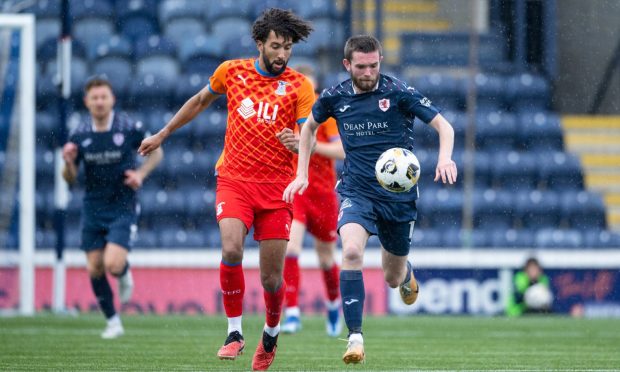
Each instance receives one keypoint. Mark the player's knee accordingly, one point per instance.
(352, 255)
(270, 282)
(114, 267)
(232, 253)
(95, 270)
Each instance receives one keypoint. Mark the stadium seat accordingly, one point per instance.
(138, 26)
(490, 90)
(538, 209)
(455, 238)
(91, 9)
(223, 9)
(181, 238)
(512, 238)
(514, 171)
(45, 239)
(530, 92)
(493, 209)
(132, 7)
(156, 79)
(443, 90)
(201, 55)
(93, 31)
(540, 130)
(118, 70)
(601, 239)
(555, 238)
(441, 209)
(259, 6)
(426, 238)
(583, 210)
(47, 28)
(560, 170)
(495, 131)
(212, 236)
(115, 46)
(318, 9)
(170, 10)
(46, 127)
(44, 9)
(180, 29)
(188, 85)
(147, 238)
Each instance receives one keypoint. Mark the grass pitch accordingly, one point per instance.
(190, 343)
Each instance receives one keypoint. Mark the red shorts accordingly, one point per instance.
(255, 204)
(319, 212)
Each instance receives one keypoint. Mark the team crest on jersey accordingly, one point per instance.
(118, 139)
(246, 110)
(425, 102)
(384, 104)
(281, 90)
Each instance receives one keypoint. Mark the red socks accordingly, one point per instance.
(291, 277)
(331, 278)
(273, 305)
(232, 283)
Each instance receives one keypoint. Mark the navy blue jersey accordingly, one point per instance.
(106, 157)
(370, 123)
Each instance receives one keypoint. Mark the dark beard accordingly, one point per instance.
(270, 68)
(364, 86)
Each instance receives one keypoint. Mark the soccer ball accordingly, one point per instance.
(538, 297)
(397, 170)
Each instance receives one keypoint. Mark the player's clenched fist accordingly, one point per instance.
(69, 152)
(298, 186)
(150, 144)
(289, 139)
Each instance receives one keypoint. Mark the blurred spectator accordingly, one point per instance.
(531, 292)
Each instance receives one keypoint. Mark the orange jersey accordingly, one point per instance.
(259, 106)
(322, 171)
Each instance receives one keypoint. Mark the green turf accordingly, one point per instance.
(189, 343)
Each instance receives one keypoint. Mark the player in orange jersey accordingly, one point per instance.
(264, 97)
(315, 211)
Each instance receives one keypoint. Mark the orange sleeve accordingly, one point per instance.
(305, 101)
(331, 129)
(217, 81)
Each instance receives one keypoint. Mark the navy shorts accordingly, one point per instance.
(102, 228)
(392, 222)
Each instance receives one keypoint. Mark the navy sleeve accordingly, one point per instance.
(138, 134)
(321, 109)
(74, 138)
(415, 103)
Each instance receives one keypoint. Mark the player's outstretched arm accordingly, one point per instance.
(446, 167)
(135, 178)
(186, 113)
(307, 137)
(332, 150)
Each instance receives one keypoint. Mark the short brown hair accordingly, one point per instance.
(96, 81)
(283, 22)
(361, 43)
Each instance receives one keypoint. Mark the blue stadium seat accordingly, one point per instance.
(180, 29)
(91, 9)
(601, 239)
(132, 7)
(201, 55)
(583, 210)
(514, 170)
(200, 203)
(44, 9)
(147, 239)
(158, 207)
(118, 70)
(172, 9)
(538, 209)
(188, 85)
(554, 238)
(222, 9)
(490, 90)
(80, 71)
(45, 238)
(493, 209)
(115, 46)
(443, 90)
(46, 126)
(560, 171)
(235, 35)
(156, 79)
(138, 26)
(212, 236)
(181, 238)
(210, 128)
(426, 238)
(47, 28)
(441, 209)
(260, 5)
(317, 9)
(540, 130)
(528, 92)
(511, 238)
(333, 78)
(496, 131)
(93, 31)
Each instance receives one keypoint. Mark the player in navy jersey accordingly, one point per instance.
(107, 144)
(374, 112)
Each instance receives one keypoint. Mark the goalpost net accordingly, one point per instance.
(17, 163)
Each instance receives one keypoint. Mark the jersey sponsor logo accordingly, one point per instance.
(344, 108)
(118, 139)
(425, 102)
(281, 90)
(242, 79)
(384, 104)
(264, 115)
(87, 142)
(246, 110)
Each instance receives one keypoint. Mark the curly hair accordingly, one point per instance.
(283, 22)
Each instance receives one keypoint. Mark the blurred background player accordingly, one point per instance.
(264, 96)
(531, 291)
(380, 112)
(317, 212)
(106, 143)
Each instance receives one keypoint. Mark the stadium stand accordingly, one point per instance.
(529, 192)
